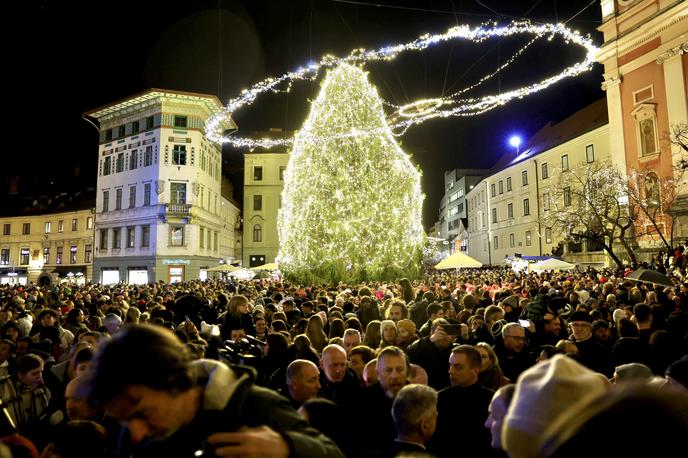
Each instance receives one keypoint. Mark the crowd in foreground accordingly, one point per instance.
(481, 363)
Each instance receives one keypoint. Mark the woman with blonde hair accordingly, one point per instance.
(314, 331)
(491, 375)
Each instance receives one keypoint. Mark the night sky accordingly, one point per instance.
(69, 57)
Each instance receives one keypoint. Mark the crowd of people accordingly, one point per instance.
(478, 363)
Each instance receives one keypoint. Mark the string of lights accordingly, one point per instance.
(417, 112)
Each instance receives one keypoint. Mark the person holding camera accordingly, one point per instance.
(170, 405)
(432, 353)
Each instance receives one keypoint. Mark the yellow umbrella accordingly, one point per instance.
(458, 260)
(269, 266)
(223, 268)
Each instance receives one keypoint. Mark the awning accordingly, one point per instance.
(63, 271)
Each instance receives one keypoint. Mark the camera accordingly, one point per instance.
(246, 351)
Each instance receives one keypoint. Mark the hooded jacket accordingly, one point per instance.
(230, 401)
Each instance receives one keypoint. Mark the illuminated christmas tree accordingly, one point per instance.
(351, 205)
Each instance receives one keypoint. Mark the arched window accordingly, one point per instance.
(257, 233)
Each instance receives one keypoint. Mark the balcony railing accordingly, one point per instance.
(178, 209)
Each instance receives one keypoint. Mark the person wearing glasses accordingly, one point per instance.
(512, 352)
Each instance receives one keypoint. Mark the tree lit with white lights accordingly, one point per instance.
(351, 205)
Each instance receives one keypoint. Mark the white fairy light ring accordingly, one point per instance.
(421, 110)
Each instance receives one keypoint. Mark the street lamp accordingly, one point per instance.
(515, 141)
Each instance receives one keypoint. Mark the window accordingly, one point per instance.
(565, 162)
(495, 242)
(453, 197)
(145, 236)
(178, 193)
(118, 199)
(281, 172)
(529, 238)
(453, 211)
(72, 254)
(545, 171)
(493, 191)
(590, 153)
(135, 127)
(6, 229)
(148, 156)
(201, 238)
(524, 177)
(257, 203)
(24, 256)
(87, 253)
(526, 207)
(46, 255)
(108, 135)
(176, 235)
(134, 160)
(132, 196)
(146, 194)
(5, 257)
(545, 202)
(60, 226)
(58, 258)
(121, 131)
(116, 238)
(131, 236)
(512, 241)
(548, 235)
(257, 233)
(103, 239)
(257, 173)
(119, 165)
(180, 121)
(510, 210)
(74, 224)
(567, 197)
(508, 184)
(106, 201)
(150, 122)
(179, 155)
(501, 187)
(208, 234)
(107, 166)
(26, 228)
(48, 227)
(215, 241)
(494, 215)
(89, 222)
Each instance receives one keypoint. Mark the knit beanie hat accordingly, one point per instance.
(387, 324)
(407, 325)
(543, 393)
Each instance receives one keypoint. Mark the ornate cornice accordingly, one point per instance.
(676, 51)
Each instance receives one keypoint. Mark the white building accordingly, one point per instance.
(263, 183)
(453, 208)
(159, 208)
(505, 209)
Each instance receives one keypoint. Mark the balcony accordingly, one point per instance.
(178, 209)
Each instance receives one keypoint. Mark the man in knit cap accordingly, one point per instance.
(544, 393)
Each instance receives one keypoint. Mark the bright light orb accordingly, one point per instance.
(515, 141)
(416, 112)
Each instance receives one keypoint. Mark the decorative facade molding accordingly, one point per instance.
(676, 51)
(613, 81)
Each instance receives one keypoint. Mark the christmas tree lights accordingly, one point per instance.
(351, 204)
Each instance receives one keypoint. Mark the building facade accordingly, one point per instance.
(47, 248)
(453, 209)
(645, 79)
(263, 184)
(159, 208)
(505, 209)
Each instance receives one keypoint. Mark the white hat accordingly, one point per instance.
(543, 393)
(618, 315)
